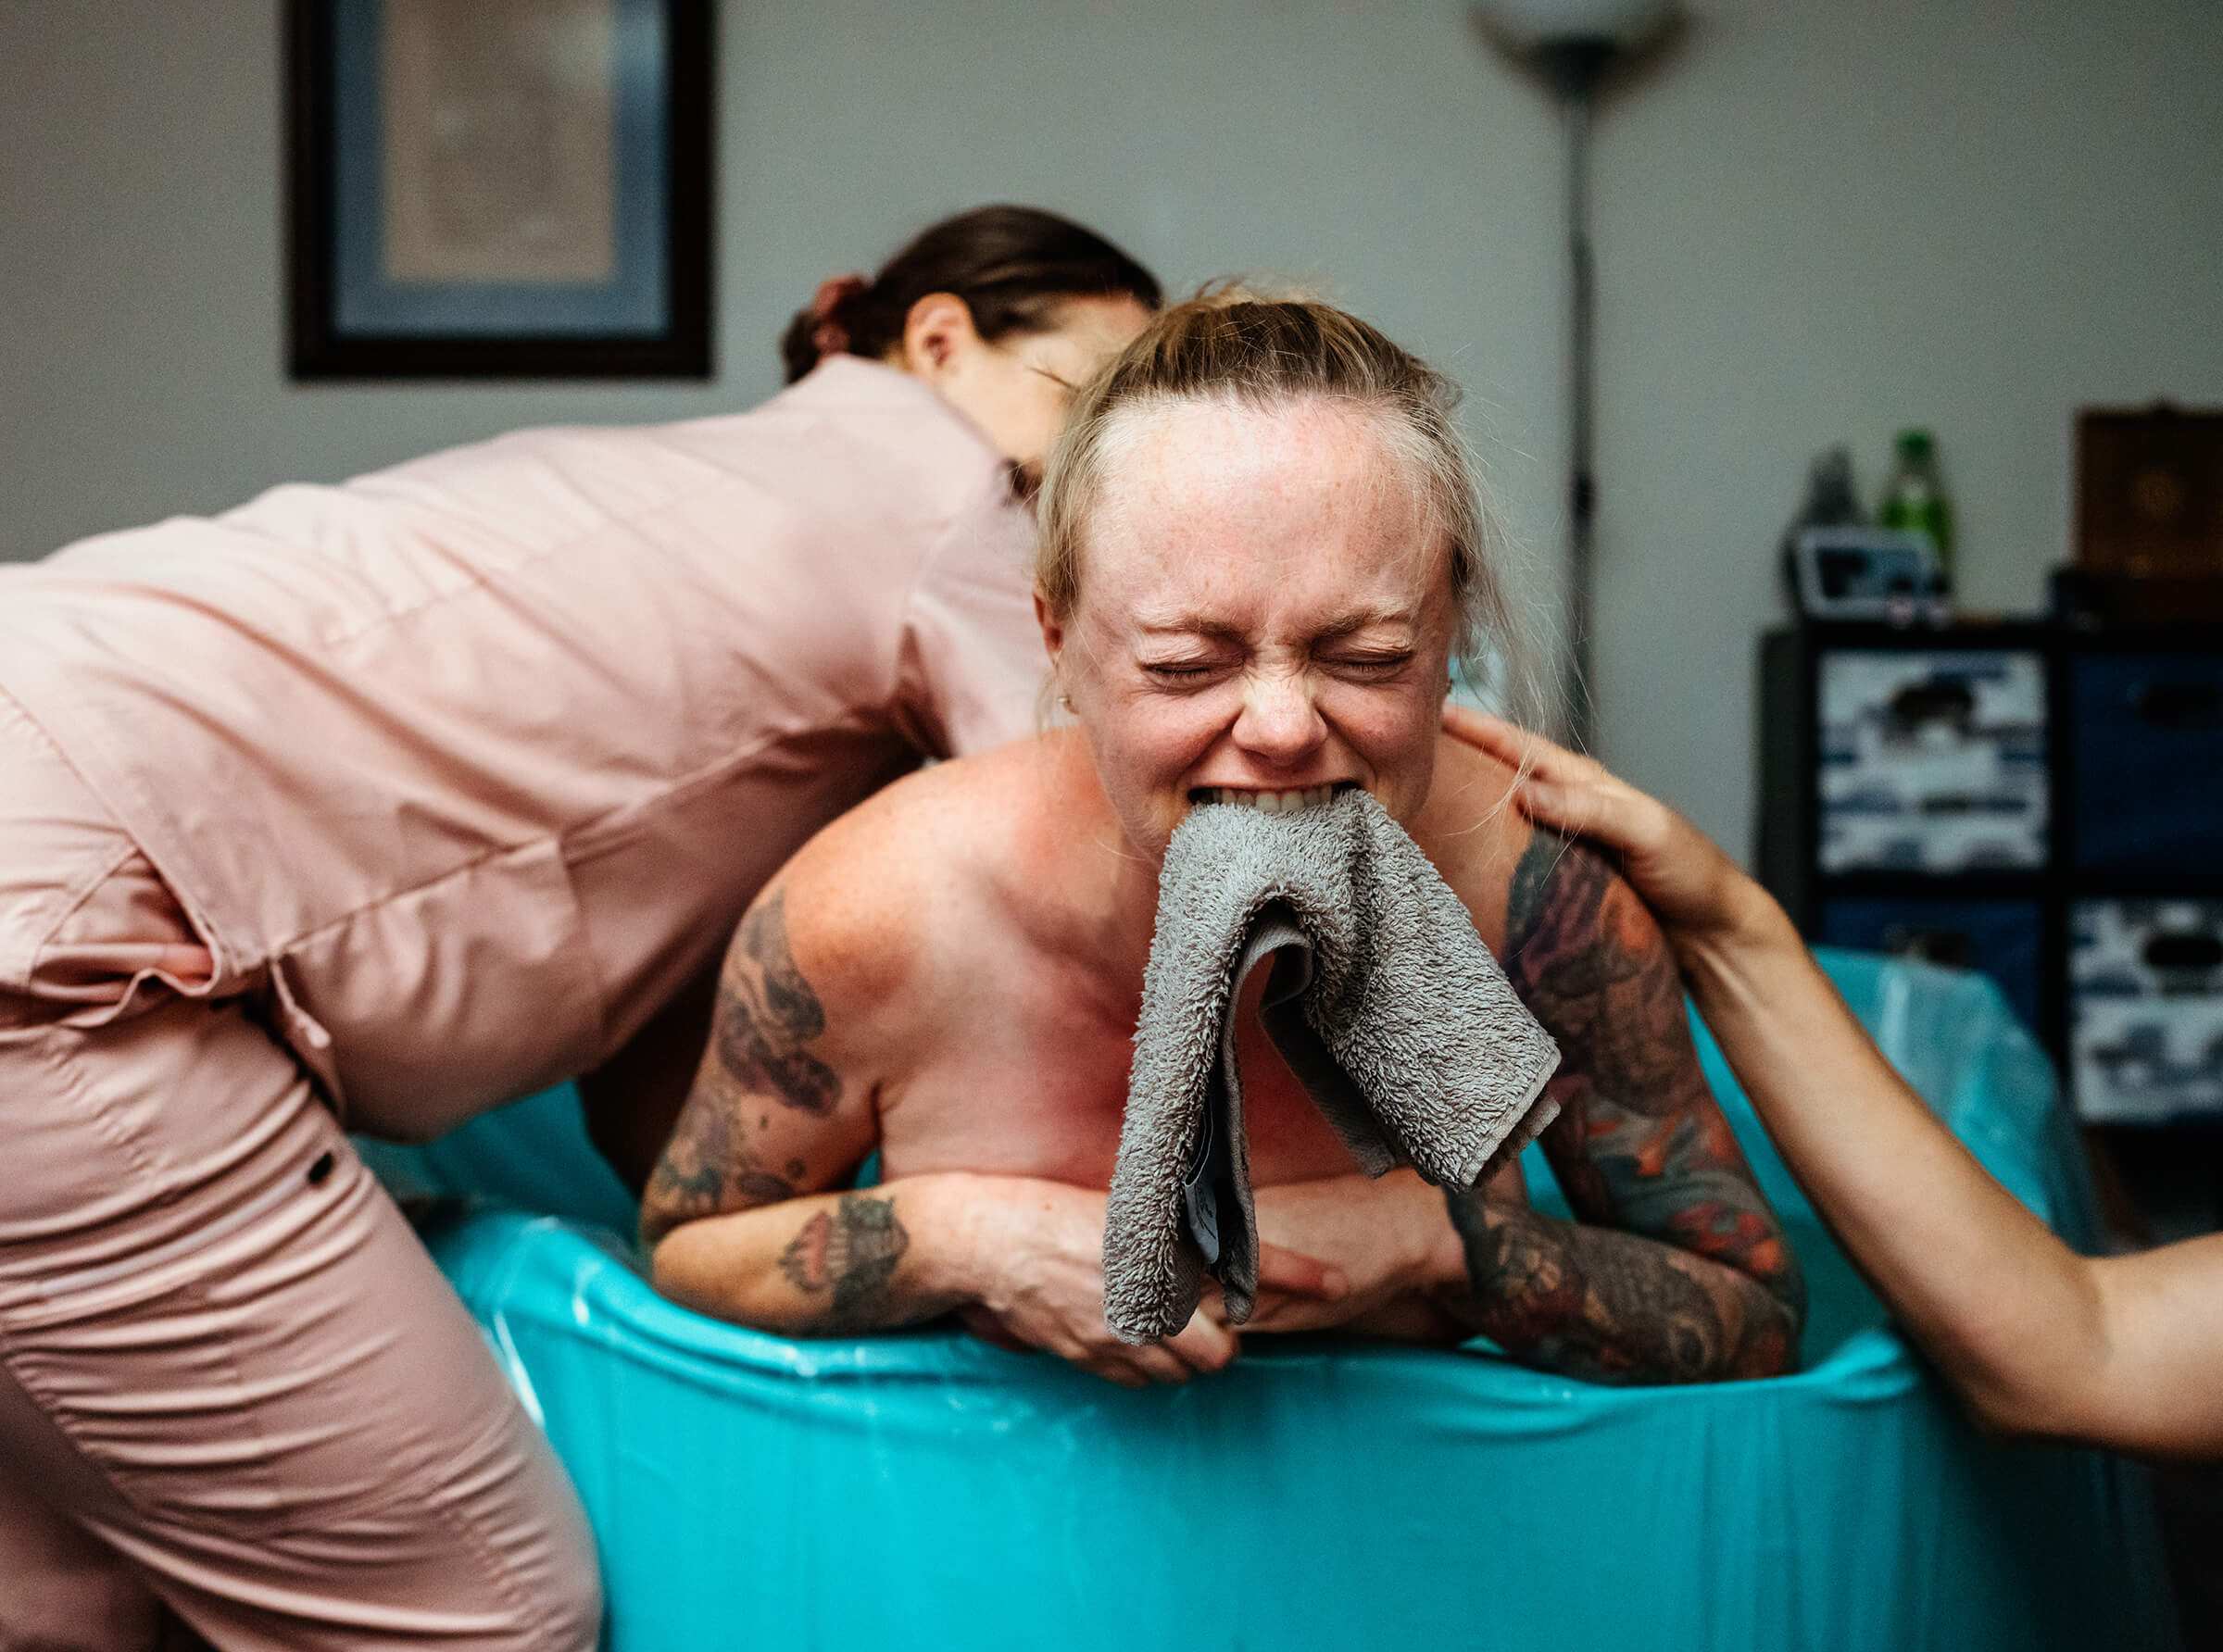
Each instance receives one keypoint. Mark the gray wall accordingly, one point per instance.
(1816, 222)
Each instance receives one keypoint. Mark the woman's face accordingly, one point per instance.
(1016, 388)
(1264, 615)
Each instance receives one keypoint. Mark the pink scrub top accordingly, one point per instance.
(470, 764)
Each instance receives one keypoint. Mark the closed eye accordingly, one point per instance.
(1370, 667)
(1185, 673)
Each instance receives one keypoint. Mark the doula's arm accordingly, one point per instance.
(2126, 1352)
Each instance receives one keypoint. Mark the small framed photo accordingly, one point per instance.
(499, 188)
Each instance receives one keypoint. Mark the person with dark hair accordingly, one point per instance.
(1013, 267)
(1014, 273)
(393, 801)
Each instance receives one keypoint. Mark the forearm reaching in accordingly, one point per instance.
(2121, 1351)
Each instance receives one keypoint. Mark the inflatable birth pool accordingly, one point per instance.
(928, 1491)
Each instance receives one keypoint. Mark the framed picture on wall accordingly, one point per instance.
(499, 188)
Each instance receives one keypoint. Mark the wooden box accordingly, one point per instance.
(2150, 491)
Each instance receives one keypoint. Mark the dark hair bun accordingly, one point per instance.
(1011, 265)
(798, 344)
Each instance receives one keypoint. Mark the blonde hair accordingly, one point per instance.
(1234, 345)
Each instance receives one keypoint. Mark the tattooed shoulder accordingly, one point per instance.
(1588, 959)
(1531, 880)
(767, 1012)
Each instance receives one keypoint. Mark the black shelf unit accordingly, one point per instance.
(2090, 805)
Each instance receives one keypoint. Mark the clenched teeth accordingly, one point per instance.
(1271, 803)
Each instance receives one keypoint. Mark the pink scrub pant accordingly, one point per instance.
(230, 1379)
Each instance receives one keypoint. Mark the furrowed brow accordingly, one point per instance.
(1345, 625)
(1200, 625)
(1187, 625)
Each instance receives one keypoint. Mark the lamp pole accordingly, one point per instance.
(1575, 67)
(1571, 45)
(1582, 392)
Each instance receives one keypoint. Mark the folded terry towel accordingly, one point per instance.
(1383, 1000)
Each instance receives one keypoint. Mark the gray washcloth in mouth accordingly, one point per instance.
(1383, 1001)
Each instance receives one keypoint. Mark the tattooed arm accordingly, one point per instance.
(782, 1108)
(2119, 1352)
(827, 1265)
(1677, 1270)
(767, 1122)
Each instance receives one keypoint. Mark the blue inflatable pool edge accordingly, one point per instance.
(929, 1491)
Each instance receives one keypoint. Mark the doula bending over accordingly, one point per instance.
(403, 798)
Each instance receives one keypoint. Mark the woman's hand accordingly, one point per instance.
(1389, 1242)
(1690, 884)
(1038, 1249)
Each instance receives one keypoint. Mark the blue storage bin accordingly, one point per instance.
(1999, 937)
(2149, 764)
(928, 1491)
(1932, 760)
(2146, 1009)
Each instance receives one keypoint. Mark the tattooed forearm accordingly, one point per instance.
(767, 1012)
(848, 1255)
(824, 1265)
(1609, 1306)
(1640, 1143)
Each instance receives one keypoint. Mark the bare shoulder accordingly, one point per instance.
(1475, 834)
(870, 903)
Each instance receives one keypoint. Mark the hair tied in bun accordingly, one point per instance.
(835, 294)
(1011, 266)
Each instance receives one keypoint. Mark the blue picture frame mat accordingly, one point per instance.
(636, 304)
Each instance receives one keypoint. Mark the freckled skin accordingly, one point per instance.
(958, 962)
(1262, 607)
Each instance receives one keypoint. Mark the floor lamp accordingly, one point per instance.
(1572, 45)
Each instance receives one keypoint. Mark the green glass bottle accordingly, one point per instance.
(1915, 500)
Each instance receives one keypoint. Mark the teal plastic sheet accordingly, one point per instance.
(929, 1491)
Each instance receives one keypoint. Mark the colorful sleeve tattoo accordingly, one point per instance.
(1675, 1270)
